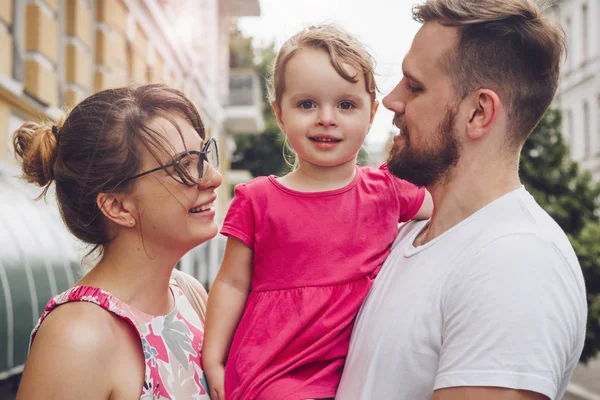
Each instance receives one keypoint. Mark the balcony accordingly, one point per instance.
(243, 112)
(244, 8)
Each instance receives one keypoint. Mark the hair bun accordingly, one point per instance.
(36, 148)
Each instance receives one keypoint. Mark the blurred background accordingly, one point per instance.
(54, 53)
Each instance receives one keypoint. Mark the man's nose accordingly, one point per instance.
(394, 101)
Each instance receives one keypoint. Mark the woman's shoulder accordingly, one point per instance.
(81, 327)
(78, 341)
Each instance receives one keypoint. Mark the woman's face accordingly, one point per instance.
(170, 215)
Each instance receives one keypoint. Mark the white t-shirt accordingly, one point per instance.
(498, 300)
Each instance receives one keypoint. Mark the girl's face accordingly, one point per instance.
(325, 117)
(170, 214)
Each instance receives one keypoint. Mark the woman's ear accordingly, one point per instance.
(113, 206)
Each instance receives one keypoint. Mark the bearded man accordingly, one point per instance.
(486, 300)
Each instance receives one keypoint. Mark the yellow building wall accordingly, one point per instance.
(41, 34)
(5, 111)
(78, 65)
(78, 20)
(41, 82)
(6, 9)
(6, 53)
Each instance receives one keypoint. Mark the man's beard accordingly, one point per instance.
(430, 166)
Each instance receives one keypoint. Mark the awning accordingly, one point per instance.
(38, 259)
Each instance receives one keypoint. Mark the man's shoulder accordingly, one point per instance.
(523, 225)
(513, 225)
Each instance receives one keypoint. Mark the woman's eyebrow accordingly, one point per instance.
(200, 148)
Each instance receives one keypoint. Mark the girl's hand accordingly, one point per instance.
(216, 383)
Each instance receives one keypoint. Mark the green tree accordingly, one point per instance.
(571, 197)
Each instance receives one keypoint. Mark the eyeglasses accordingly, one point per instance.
(189, 166)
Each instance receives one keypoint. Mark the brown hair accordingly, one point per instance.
(95, 149)
(504, 45)
(341, 47)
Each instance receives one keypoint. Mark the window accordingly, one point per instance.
(569, 126)
(569, 43)
(596, 142)
(587, 135)
(18, 33)
(585, 32)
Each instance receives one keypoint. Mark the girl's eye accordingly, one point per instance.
(306, 104)
(346, 105)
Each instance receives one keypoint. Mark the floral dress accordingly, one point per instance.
(172, 343)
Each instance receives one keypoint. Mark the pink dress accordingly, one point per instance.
(315, 258)
(172, 344)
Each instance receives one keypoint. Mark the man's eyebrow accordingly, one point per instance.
(411, 77)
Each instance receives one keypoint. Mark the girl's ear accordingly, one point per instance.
(278, 114)
(374, 109)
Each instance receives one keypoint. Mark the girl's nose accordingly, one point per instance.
(326, 117)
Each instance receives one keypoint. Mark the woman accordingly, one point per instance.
(135, 178)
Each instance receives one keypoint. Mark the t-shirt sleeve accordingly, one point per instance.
(512, 319)
(239, 221)
(409, 196)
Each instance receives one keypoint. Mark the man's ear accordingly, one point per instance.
(116, 209)
(483, 113)
(279, 115)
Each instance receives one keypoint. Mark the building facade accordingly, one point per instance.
(53, 53)
(579, 90)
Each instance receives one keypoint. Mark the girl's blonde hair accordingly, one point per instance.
(341, 47)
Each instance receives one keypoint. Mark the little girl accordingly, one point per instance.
(303, 250)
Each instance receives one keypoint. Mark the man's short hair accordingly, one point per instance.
(507, 46)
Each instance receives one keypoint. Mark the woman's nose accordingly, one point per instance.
(212, 178)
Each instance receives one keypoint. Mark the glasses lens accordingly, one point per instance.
(212, 154)
(188, 168)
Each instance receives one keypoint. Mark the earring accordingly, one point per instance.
(130, 222)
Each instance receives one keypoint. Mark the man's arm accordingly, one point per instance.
(485, 393)
(514, 318)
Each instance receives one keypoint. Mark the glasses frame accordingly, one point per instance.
(184, 181)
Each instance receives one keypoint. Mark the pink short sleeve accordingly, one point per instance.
(239, 221)
(409, 196)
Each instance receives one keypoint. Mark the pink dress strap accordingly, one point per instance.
(172, 344)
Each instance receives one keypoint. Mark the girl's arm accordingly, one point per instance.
(226, 302)
(426, 209)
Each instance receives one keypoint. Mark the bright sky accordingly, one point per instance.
(385, 26)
